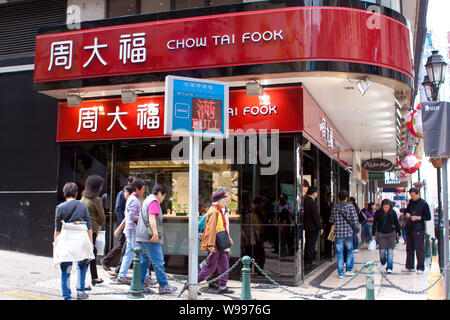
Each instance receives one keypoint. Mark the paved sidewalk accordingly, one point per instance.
(33, 277)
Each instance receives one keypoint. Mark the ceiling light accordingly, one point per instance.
(74, 99)
(128, 96)
(254, 88)
(364, 125)
(363, 85)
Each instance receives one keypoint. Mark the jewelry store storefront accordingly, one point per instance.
(280, 142)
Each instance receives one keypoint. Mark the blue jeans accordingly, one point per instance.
(355, 241)
(404, 234)
(154, 250)
(66, 268)
(367, 231)
(127, 257)
(349, 260)
(387, 255)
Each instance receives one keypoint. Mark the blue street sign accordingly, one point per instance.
(196, 107)
(400, 198)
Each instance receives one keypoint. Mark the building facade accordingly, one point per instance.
(331, 72)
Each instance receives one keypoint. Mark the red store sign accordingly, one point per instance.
(245, 38)
(109, 119)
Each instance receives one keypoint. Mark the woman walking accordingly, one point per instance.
(91, 198)
(387, 228)
(369, 213)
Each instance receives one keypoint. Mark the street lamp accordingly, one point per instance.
(436, 68)
(428, 87)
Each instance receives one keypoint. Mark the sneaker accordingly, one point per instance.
(147, 290)
(341, 276)
(419, 271)
(123, 280)
(389, 271)
(356, 250)
(113, 274)
(150, 282)
(88, 288)
(214, 285)
(226, 290)
(82, 295)
(167, 289)
(408, 270)
(349, 273)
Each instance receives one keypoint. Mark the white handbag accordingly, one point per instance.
(100, 243)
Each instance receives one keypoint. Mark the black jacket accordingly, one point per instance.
(385, 223)
(311, 219)
(417, 208)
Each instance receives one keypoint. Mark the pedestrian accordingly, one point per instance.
(352, 201)
(151, 215)
(312, 225)
(72, 240)
(417, 212)
(259, 259)
(215, 223)
(369, 213)
(402, 221)
(91, 198)
(386, 226)
(114, 257)
(132, 211)
(345, 220)
(325, 213)
(436, 223)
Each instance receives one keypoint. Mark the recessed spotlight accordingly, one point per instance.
(364, 125)
(349, 88)
(153, 145)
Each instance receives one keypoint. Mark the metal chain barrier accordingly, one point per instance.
(414, 291)
(315, 295)
(188, 283)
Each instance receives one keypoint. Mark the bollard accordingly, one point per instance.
(427, 246)
(135, 291)
(370, 284)
(437, 291)
(246, 294)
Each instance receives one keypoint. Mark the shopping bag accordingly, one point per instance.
(372, 245)
(100, 243)
(331, 236)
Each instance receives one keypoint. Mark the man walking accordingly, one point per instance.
(312, 225)
(345, 220)
(132, 211)
(114, 256)
(416, 213)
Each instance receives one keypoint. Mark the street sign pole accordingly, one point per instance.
(194, 151)
(196, 108)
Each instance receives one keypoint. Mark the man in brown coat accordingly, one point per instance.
(215, 222)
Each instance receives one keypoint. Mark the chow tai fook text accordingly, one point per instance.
(223, 40)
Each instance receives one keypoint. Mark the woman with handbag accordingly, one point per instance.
(216, 240)
(149, 237)
(386, 225)
(91, 198)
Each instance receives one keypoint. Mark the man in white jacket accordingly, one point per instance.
(72, 240)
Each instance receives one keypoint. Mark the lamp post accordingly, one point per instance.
(436, 68)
